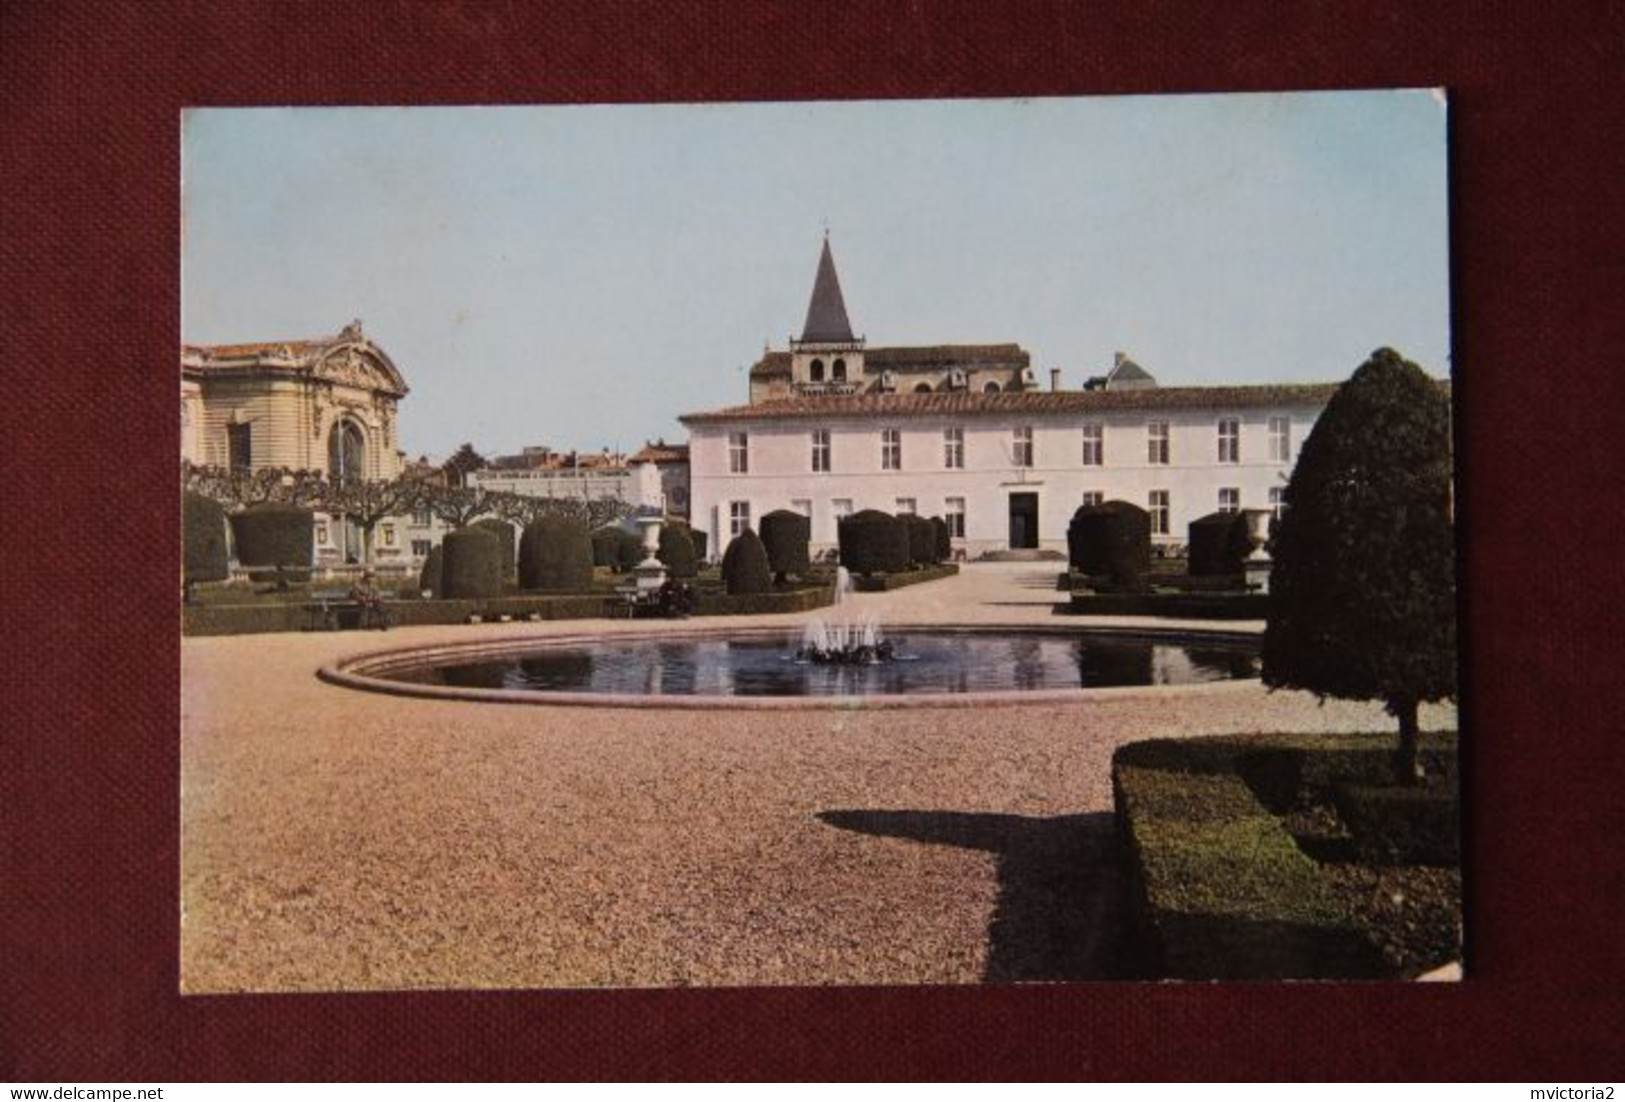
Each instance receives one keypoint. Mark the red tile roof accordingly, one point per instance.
(927, 357)
(963, 403)
(660, 453)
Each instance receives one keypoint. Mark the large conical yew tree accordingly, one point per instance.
(1362, 597)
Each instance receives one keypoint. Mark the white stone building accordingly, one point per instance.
(967, 435)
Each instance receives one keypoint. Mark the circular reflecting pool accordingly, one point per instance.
(926, 662)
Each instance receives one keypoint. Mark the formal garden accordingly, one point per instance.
(249, 564)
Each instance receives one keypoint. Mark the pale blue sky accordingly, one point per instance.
(579, 276)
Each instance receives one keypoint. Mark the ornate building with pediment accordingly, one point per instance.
(325, 405)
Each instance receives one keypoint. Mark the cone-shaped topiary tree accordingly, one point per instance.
(873, 542)
(429, 576)
(745, 567)
(785, 536)
(1362, 596)
(204, 557)
(507, 549)
(471, 563)
(555, 552)
(677, 551)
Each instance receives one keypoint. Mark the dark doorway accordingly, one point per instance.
(1023, 521)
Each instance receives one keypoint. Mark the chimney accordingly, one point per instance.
(1054, 379)
(1118, 358)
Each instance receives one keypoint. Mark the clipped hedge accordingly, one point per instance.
(944, 538)
(785, 536)
(884, 583)
(204, 555)
(507, 545)
(677, 550)
(873, 542)
(1113, 540)
(1184, 606)
(756, 604)
(1402, 825)
(1218, 544)
(698, 539)
(922, 539)
(429, 576)
(273, 535)
(616, 549)
(555, 553)
(745, 569)
(471, 564)
(247, 619)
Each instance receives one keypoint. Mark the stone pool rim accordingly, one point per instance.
(360, 671)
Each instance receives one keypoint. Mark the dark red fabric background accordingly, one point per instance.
(89, 244)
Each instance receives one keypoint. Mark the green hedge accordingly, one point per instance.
(273, 535)
(778, 601)
(745, 569)
(507, 545)
(1402, 825)
(944, 539)
(1218, 544)
(1113, 540)
(471, 564)
(616, 549)
(677, 550)
(204, 556)
(922, 539)
(882, 583)
(873, 542)
(248, 619)
(555, 553)
(429, 576)
(785, 536)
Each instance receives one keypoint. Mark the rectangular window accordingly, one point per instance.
(389, 535)
(1158, 502)
(738, 517)
(1277, 501)
(1021, 446)
(891, 449)
(739, 452)
(1093, 497)
(422, 517)
(1094, 445)
(1156, 443)
(906, 506)
(321, 533)
(820, 450)
(1229, 440)
(953, 448)
(240, 446)
(803, 506)
(1229, 499)
(953, 511)
(1280, 439)
(421, 548)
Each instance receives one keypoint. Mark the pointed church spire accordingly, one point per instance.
(826, 312)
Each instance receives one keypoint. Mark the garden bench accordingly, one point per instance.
(324, 608)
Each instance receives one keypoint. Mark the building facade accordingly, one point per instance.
(972, 439)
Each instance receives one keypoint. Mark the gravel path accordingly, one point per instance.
(335, 839)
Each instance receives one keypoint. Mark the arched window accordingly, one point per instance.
(817, 371)
(990, 388)
(346, 452)
(838, 372)
(923, 388)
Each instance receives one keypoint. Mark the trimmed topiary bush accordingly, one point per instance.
(555, 553)
(616, 549)
(1219, 544)
(785, 536)
(507, 549)
(429, 576)
(677, 551)
(471, 563)
(273, 535)
(922, 540)
(873, 542)
(1363, 592)
(203, 538)
(699, 540)
(944, 539)
(745, 568)
(1112, 539)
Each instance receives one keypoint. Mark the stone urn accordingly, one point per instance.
(651, 572)
(1258, 564)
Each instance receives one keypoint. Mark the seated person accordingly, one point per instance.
(365, 593)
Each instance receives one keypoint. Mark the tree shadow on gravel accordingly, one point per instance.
(1058, 915)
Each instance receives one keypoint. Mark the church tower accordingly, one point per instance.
(827, 359)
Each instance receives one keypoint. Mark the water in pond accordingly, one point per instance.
(926, 662)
